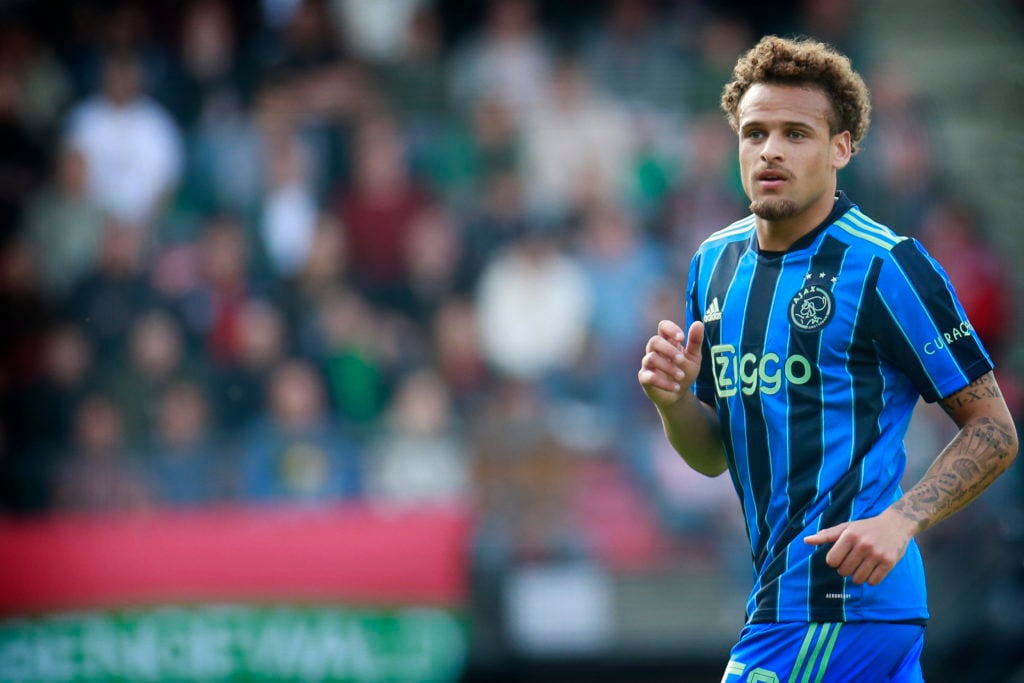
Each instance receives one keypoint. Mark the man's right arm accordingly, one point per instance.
(668, 370)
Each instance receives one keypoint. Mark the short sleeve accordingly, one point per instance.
(704, 387)
(921, 327)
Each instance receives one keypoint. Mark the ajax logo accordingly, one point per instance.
(812, 307)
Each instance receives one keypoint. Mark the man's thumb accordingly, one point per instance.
(694, 338)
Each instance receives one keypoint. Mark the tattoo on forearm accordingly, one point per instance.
(984, 387)
(972, 461)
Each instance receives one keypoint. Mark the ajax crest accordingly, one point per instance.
(812, 307)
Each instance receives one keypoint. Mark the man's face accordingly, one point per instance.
(788, 158)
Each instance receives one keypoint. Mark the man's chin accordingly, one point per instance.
(774, 209)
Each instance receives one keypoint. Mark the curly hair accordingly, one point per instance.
(804, 62)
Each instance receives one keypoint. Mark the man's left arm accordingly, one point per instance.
(986, 445)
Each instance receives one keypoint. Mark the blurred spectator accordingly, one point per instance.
(653, 165)
(433, 250)
(125, 27)
(834, 22)
(132, 146)
(37, 421)
(241, 382)
(45, 88)
(27, 318)
(533, 307)
(99, 473)
(458, 357)
(720, 41)
(699, 515)
(187, 463)
(305, 40)
(288, 215)
(44, 414)
(22, 157)
(64, 226)
(623, 272)
(898, 171)
(322, 274)
(706, 194)
(465, 159)
(375, 31)
(578, 145)
(328, 262)
(412, 72)
(212, 81)
(225, 164)
(631, 57)
(223, 288)
(618, 525)
(352, 346)
(154, 359)
(213, 96)
(298, 453)
(496, 219)
(509, 60)
(110, 296)
(418, 456)
(277, 13)
(524, 483)
(376, 212)
(953, 234)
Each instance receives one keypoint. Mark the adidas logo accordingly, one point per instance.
(714, 312)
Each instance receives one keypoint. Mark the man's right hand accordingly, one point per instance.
(671, 363)
(667, 371)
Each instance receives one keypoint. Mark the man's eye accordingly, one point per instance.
(796, 135)
(755, 134)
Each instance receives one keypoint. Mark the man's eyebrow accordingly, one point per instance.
(784, 124)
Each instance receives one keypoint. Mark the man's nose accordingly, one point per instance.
(772, 149)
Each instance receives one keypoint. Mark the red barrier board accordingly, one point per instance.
(363, 554)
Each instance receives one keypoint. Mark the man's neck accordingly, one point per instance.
(780, 235)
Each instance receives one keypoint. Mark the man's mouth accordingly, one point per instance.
(772, 178)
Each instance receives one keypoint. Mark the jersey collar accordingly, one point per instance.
(840, 207)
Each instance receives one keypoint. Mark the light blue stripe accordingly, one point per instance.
(856, 232)
(853, 406)
(868, 220)
(910, 343)
(737, 228)
(866, 223)
(935, 328)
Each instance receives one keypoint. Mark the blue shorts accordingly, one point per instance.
(799, 652)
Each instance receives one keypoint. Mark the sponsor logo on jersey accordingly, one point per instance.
(948, 338)
(751, 373)
(714, 312)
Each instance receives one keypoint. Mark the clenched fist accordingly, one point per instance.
(671, 362)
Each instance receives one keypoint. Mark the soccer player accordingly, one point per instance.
(812, 332)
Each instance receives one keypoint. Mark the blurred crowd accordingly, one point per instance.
(405, 251)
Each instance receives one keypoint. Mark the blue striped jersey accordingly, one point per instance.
(814, 359)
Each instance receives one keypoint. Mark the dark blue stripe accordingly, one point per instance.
(755, 328)
(805, 444)
(933, 286)
(721, 282)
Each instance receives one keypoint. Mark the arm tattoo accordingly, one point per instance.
(974, 459)
(984, 387)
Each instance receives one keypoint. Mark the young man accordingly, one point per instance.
(812, 332)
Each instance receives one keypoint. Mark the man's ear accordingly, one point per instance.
(842, 149)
